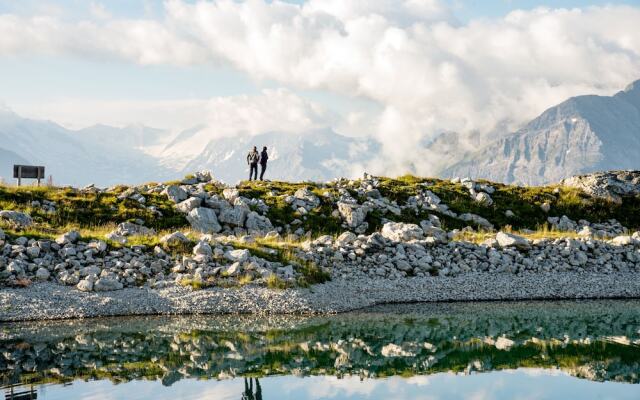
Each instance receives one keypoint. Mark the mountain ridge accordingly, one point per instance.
(580, 135)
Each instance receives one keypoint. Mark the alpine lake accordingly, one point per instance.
(493, 350)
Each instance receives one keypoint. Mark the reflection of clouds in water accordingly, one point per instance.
(525, 384)
(332, 387)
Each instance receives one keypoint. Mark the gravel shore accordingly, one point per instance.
(48, 300)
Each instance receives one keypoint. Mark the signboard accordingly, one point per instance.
(28, 172)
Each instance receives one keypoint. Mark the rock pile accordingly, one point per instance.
(92, 265)
(612, 185)
(404, 250)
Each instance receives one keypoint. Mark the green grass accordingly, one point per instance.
(94, 215)
(89, 209)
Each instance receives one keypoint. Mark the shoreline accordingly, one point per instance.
(50, 301)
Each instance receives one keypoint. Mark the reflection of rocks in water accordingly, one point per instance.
(17, 392)
(592, 340)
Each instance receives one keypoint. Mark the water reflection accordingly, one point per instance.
(248, 393)
(596, 341)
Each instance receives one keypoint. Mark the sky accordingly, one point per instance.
(400, 71)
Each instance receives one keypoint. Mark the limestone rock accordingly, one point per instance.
(476, 219)
(238, 255)
(42, 274)
(401, 232)
(612, 185)
(16, 218)
(484, 199)
(175, 193)
(258, 223)
(231, 194)
(174, 239)
(107, 284)
(234, 216)
(204, 220)
(510, 240)
(69, 237)
(131, 229)
(189, 204)
(353, 214)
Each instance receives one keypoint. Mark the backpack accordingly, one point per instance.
(253, 157)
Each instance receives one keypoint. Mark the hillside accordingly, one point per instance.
(449, 239)
(581, 135)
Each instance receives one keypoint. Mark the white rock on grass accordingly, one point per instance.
(484, 199)
(69, 237)
(204, 220)
(258, 223)
(175, 193)
(131, 229)
(546, 207)
(231, 194)
(476, 219)
(510, 240)
(234, 216)
(202, 249)
(238, 255)
(189, 204)
(346, 238)
(174, 239)
(401, 232)
(353, 214)
(16, 218)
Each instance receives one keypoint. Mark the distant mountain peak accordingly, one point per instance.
(633, 87)
(580, 135)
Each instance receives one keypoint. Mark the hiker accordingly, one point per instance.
(263, 161)
(252, 159)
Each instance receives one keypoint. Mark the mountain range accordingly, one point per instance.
(107, 155)
(582, 134)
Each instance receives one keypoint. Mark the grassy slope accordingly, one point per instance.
(98, 213)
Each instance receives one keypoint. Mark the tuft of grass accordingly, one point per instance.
(274, 282)
(193, 284)
(245, 279)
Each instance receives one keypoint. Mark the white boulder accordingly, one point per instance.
(204, 220)
(401, 232)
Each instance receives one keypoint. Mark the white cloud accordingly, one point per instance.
(428, 72)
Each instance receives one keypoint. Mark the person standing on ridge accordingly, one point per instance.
(252, 159)
(263, 161)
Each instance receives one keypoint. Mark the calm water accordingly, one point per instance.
(537, 350)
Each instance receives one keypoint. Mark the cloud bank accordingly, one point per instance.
(428, 72)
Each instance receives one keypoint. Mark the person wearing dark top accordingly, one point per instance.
(263, 161)
(252, 159)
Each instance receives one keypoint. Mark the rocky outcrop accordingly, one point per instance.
(612, 185)
(16, 218)
(580, 135)
(204, 220)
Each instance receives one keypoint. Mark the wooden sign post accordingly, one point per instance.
(28, 172)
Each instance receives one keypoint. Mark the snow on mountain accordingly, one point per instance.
(107, 155)
(75, 157)
(316, 155)
(581, 135)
